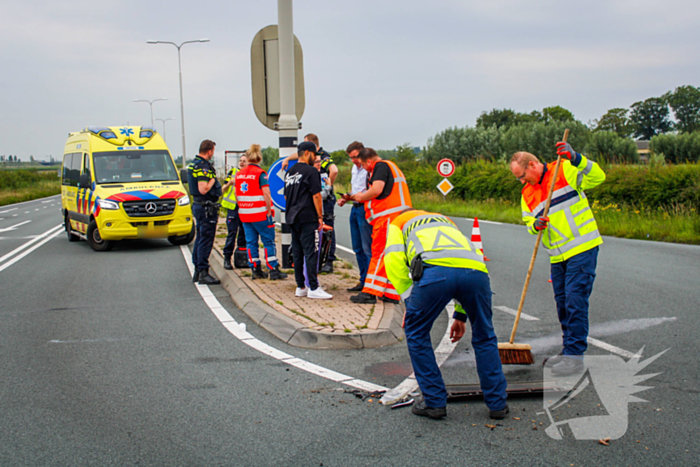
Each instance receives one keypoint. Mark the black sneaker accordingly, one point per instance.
(569, 365)
(227, 263)
(195, 276)
(388, 300)
(363, 298)
(327, 267)
(436, 413)
(206, 279)
(276, 274)
(499, 414)
(357, 288)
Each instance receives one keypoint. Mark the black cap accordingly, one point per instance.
(306, 146)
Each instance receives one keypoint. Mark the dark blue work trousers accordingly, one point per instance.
(429, 297)
(361, 235)
(573, 282)
(204, 241)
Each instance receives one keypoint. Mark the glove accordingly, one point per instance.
(541, 223)
(565, 150)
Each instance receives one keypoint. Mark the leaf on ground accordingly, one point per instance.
(490, 426)
(604, 441)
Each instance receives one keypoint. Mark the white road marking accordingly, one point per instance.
(46, 237)
(610, 348)
(484, 222)
(50, 198)
(26, 212)
(14, 227)
(344, 248)
(14, 215)
(235, 328)
(8, 210)
(36, 209)
(47, 201)
(513, 312)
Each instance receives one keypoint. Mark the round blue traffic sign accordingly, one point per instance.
(275, 177)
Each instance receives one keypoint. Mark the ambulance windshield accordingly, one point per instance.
(134, 166)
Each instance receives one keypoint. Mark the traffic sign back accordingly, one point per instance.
(275, 177)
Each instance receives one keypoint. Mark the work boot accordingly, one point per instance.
(258, 272)
(327, 267)
(436, 413)
(206, 279)
(195, 276)
(569, 365)
(499, 414)
(227, 263)
(386, 299)
(276, 274)
(357, 288)
(363, 298)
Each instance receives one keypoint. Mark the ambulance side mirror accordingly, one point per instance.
(84, 181)
(183, 176)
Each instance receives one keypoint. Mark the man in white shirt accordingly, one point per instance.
(360, 229)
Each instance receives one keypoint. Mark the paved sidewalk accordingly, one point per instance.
(322, 324)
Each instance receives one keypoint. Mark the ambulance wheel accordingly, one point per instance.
(96, 242)
(69, 231)
(183, 239)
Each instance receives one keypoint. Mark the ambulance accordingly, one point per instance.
(122, 183)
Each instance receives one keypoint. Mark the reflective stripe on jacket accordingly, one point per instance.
(249, 195)
(572, 229)
(398, 200)
(432, 236)
(229, 199)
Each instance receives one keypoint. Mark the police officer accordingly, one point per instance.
(233, 221)
(443, 265)
(570, 237)
(205, 190)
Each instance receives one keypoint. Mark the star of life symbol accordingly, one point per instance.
(126, 131)
(592, 404)
(244, 187)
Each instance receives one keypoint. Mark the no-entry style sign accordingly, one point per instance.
(446, 167)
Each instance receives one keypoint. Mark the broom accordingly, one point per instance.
(521, 354)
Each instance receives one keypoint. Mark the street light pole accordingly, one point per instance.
(164, 120)
(150, 103)
(179, 66)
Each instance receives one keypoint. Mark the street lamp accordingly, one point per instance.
(150, 103)
(179, 66)
(164, 120)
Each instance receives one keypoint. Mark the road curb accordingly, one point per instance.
(293, 332)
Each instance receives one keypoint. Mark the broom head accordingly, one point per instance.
(515, 354)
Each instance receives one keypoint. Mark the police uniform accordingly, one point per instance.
(328, 206)
(452, 268)
(205, 212)
(571, 239)
(233, 223)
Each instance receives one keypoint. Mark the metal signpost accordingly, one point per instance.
(445, 168)
(278, 92)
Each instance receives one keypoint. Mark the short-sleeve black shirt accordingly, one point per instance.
(382, 172)
(301, 183)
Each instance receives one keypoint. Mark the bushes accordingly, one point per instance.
(16, 179)
(609, 147)
(540, 139)
(677, 149)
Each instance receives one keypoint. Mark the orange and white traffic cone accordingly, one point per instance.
(476, 238)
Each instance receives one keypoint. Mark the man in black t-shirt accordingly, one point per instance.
(304, 215)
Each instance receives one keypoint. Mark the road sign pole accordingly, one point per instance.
(288, 125)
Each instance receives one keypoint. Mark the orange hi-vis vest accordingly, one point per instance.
(398, 200)
(251, 202)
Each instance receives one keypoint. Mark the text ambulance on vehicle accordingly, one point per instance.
(122, 183)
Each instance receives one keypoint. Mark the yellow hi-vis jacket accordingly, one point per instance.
(433, 236)
(229, 199)
(572, 229)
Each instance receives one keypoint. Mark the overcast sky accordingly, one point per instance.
(383, 72)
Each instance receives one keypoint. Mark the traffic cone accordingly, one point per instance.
(476, 238)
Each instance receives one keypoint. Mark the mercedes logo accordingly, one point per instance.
(151, 208)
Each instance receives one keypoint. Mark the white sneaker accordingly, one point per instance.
(319, 293)
(302, 292)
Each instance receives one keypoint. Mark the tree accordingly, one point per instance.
(270, 155)
(505, 118)
(556, 114)
(650, 118)
(685, 102)
(615, 120)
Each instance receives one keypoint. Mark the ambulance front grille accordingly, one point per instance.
(163, 207)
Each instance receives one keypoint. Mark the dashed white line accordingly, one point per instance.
(46, 237)
(8, 210)
(241, 334)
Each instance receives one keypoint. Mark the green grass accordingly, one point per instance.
(678, 224)
(21, 185)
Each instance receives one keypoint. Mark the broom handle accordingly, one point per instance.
(537, 244)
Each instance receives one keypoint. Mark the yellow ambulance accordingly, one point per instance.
(122, 183)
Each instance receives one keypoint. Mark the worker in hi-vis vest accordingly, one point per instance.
(570, 237)
(430, 262)
(386, 197)
(233, 220)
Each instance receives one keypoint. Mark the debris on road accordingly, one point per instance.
(402, 404)
(364, 395)
(604, 441)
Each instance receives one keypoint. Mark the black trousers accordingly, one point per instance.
(329, 219)
(234, 226)
(304, 250)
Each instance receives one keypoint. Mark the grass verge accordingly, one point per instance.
(36, 190)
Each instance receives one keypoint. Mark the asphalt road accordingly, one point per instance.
(115, 359)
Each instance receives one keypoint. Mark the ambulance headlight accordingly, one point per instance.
(107, 204)
(184, 201)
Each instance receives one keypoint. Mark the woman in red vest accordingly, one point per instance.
(256, 214)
